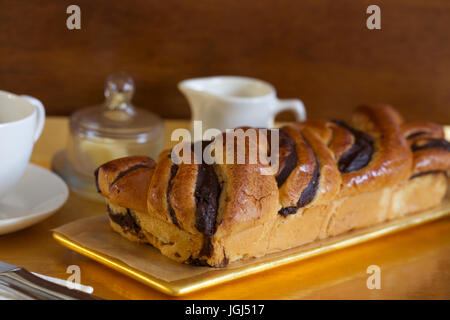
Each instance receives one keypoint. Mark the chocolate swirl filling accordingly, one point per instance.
(360, 154)
(431, 143)
(308, 193)
(119, 176)
(207, 193)
(96, 180)
(125, 220)
(420, 174)
(287, 157)
(416, 134)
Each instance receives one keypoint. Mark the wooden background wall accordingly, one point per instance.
(317, 50)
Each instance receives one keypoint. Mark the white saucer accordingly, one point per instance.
(37, 196)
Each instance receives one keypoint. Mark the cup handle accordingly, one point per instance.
(40, 119)
(295, 105)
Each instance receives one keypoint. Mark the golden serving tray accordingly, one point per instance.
(212, 277)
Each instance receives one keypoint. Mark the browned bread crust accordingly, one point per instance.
(431, 152)
(391, 159)
(131, 174)
(332, 177)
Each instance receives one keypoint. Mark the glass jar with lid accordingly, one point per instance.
(109, 131)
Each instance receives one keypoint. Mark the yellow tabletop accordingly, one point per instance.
(414, 263)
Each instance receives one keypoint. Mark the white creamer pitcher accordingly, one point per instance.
(226, 102)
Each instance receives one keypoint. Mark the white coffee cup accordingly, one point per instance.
(226, 102)
(21, 122)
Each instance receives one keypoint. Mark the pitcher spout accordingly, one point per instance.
(193, 92)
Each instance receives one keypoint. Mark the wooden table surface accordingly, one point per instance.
(414, 263)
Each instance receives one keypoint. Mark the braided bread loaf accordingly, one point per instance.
(332, 177)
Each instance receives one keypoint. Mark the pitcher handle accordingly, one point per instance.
(295, 105)
(40, 118)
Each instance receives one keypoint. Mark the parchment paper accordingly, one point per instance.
(96, 234)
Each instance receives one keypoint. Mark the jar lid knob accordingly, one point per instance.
(119, 90)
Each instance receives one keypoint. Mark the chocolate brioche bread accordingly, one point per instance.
(332, 177)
